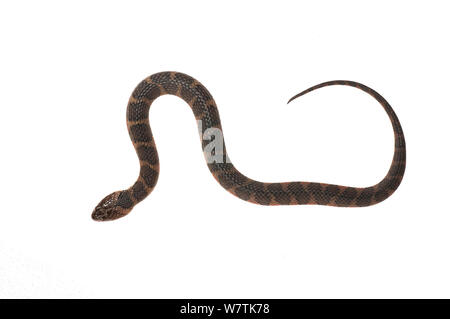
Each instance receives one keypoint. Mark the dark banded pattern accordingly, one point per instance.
(120, 203)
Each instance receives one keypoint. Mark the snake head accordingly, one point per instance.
(112, 207)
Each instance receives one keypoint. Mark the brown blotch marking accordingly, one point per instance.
(149, 175)
(139, 192)
(226, 168)
(137, 111)
(186, 94)
(147, 90)
(329, 193)
(184, 78)
(386, 183)
(243, 193)
(224, 181)
(124, 200)
(147, 154)
(381, 195)
(346, 197)
(315, 189)
(197, 107)
(153, 93)
(279, 195)
(299, 192)
(263, 198)
(141, 87)
(160, 78)
(365, 198)
(170, 87)
(255, 186)
(230, 178)
(203, 92)
(140, 133)
(211, 117)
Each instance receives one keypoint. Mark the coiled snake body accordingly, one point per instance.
(120, 203)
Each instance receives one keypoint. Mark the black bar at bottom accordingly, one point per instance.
(231, 308)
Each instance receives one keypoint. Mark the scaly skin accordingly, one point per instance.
(120, 203)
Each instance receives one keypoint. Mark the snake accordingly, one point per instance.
(119, 204)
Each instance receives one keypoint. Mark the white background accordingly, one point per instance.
(67, 70)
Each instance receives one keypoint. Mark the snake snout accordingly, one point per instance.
(99, 215)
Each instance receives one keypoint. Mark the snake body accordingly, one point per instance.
(120, 203)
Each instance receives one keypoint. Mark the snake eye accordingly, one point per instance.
(109, 201)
